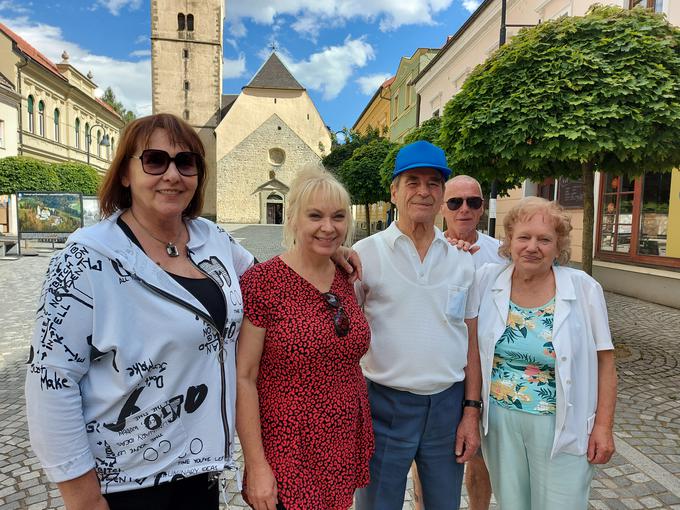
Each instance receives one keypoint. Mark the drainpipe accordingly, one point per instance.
(20, 148)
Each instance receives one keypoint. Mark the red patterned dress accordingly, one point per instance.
(314, 412)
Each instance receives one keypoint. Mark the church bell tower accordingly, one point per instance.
(186, 70)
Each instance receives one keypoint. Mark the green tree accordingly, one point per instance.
(20, 173)
(341, 152)
(361, 175)
(109, 97)
(570, 97)
(77, 178)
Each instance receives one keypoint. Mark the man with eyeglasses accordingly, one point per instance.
(422, 367)
(462, 209)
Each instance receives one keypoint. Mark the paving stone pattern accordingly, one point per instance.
(644, 473)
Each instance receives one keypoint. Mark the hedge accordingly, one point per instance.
(20, 173)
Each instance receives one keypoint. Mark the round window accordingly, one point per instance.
(277, 156)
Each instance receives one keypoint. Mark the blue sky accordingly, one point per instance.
(340, 50)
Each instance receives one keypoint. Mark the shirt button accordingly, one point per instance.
(563, 358)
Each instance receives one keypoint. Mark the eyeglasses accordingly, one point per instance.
(156, 162)
(455, 203)
(340, 319)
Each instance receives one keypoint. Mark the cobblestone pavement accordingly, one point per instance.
(644, 473)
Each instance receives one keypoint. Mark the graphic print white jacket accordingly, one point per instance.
(127, 371)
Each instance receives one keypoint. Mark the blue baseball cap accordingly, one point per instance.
(421, 154)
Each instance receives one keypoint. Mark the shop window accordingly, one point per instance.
(637, 219)
(546, 189)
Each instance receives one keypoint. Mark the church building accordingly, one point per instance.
(256, 140)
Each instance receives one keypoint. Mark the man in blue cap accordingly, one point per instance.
(422, 367)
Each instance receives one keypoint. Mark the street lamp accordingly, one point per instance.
(493, 193)
(88, 139)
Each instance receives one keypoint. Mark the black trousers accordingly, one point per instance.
(193, 493)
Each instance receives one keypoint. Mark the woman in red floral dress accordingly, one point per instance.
(302, 408)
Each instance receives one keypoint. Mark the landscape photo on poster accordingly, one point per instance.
(59, 213)
(90, 210)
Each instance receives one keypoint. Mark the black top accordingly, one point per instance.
(204, 289)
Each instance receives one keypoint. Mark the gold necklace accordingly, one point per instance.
(170, 246)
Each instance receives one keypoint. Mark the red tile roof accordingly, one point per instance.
(388, 82)
(31, 52)
(108, 107)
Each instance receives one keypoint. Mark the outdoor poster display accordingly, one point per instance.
(43, 215)
(90, 210)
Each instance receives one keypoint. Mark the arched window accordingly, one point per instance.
(56, 125)
(31, 118)
(190, 22)
(113, 146)
(87, 135)
(99, 147)
(181, 22)
(77, 133)
(41, 118)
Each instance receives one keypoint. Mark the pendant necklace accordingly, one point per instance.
(170, 246)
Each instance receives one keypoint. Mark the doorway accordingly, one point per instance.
(275, 209)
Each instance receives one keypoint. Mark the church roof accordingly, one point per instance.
(227, 102)
(274, 75)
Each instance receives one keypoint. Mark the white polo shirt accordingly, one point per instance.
(488, 251)
(415, 310)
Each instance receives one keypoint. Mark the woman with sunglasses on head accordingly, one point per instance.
(131, 383)
(302, 408)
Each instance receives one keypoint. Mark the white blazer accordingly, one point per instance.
(580, 329)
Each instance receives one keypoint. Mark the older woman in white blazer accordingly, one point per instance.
(549, 377)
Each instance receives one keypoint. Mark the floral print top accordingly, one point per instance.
(523, 372)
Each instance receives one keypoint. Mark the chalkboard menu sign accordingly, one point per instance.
(570, 193)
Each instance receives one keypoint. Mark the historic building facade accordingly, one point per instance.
(57, 110)
(637, 222)
(255, 140)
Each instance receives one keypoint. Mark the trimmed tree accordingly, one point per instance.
(570, 97)
(361, 175)
(20, 173)
(77, 178)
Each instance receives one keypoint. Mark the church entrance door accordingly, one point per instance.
(275, 209)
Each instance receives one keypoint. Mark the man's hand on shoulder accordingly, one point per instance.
(462, 245)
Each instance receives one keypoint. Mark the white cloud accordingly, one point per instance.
(471, 5)
(115, 6)
(130, 80)
(140, 53)
(10, 5)
(329, 70)
(142, 39)
(312, 15)
(369, 84)
(234, 68)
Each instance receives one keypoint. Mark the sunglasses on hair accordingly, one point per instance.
(340, 319)
(156, 162)
(455, 203)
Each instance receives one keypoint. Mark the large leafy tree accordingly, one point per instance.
(361, 175)
(341, 152)
(109, 97)
(570, 97)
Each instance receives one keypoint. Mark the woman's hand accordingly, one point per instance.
(462, 245)
(349, 260)
(261, 490)
(601, 445)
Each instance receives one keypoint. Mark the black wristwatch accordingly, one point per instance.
(472, 403)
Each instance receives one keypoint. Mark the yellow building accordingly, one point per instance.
(376, 115)
(58, 110)
(637, 222)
